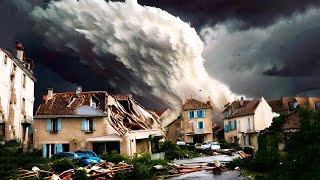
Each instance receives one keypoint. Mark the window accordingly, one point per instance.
(54, 125)
(317, 105)
(191, 114)
(87, 125)
(200, 124)
(230, 124)
(24, 80)
(23, 108)
(93, 103)
(225, 114)
(235, 124)
(226, 128)
(292, 105)
(201, 113)
(5, 59)
(48, 150)
(197, 114)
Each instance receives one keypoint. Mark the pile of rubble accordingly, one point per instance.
(98, 171)
(177, 170)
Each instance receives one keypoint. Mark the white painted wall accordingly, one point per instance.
(263, 115)
(5, 92)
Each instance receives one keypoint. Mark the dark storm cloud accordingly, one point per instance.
(251, 12)
(248, 57)
(277, 60)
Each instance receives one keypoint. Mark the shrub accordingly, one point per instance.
(113, 156)
(63, 164)
(81, 174)
(171, 149)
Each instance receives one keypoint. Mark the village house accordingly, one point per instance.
(244, 119)
(92, 120)
(16, 96)
(196, 123)
(290, 104)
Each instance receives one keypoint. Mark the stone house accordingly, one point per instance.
(16, 96)
(92, 120)
(244, 119)
(196, 123)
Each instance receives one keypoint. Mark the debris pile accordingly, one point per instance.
(97, 171)
(177, 170)
(34, 173)
(109, 169)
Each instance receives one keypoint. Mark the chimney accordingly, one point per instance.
(19, 48)
(78, 91)
(241, 102)
(50, 94)
(208, 102)
(260, 97)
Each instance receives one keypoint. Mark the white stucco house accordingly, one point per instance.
(244, 119)
(16, 96)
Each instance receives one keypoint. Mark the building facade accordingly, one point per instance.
(196, 123)
(243, 120)
(93, 120)
(16, 96)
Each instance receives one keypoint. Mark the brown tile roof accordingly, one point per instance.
(276, 105)
(248, 108)
(159, 112)
(67, 102)
(121, 97)
(195, 104)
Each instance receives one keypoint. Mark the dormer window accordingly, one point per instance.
(292, 105)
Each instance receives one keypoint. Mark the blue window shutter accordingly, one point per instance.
(58, 148)
(230, 125)
(226, 128)
(189, 114)
(59, 125)
(195, 114)
(203, 113)
(198, 113)
(83, 124)
(44, 150)
(235, 124)
(49, 125)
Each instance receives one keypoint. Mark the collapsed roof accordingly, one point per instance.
(124, 112)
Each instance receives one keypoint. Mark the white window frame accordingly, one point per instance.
(198, 124)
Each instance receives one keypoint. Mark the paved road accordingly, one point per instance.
(207, 174)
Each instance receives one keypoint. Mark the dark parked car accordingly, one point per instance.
(93, 158)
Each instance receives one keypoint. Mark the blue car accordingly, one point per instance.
(88, 156)
(73, 156)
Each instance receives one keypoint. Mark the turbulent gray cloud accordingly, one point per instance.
(281, 59)
(158, 56)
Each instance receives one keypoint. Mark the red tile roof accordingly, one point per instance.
(195, 104)
(67, 102)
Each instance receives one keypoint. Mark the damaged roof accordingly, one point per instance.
(67, 103)
(248, 108)
(192, 104)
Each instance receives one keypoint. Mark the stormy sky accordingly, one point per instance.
(252, 46)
